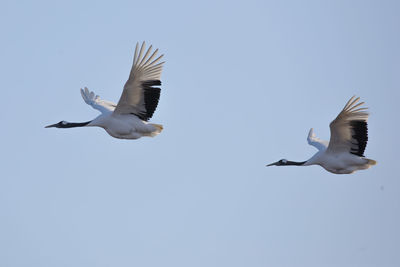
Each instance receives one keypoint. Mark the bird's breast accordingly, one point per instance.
(114, 124)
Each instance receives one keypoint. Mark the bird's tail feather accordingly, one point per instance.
(158, 130)
(371, 162)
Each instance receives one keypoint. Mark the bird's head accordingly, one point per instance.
(279, 163)
(61, 124)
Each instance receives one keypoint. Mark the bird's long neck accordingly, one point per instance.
(294, 163)
(74, 124)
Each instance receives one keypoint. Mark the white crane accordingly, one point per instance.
(344, 153)
(139, 99)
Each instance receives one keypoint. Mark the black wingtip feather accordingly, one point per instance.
(151, 97)
(360, 134)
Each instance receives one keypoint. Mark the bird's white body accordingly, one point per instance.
(138, 101)
(344, 153)
(339, 163)
(125, 126)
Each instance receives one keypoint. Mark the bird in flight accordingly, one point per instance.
(129, 118)
(344, 153)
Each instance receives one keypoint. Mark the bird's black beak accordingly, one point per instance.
(273, 164)
(51, 125)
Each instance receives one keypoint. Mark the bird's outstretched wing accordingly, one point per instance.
(349, 131)
(94, 100)
(140, 96)
(315, 141)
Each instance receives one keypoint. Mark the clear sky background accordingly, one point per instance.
(242, 85)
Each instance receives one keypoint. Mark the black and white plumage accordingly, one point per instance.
(139, 99)
(344, 153)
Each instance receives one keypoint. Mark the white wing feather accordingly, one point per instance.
(341, 130)
(145, 68)
(315, 141)
(94, 100)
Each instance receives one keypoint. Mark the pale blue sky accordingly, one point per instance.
(242, 85)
